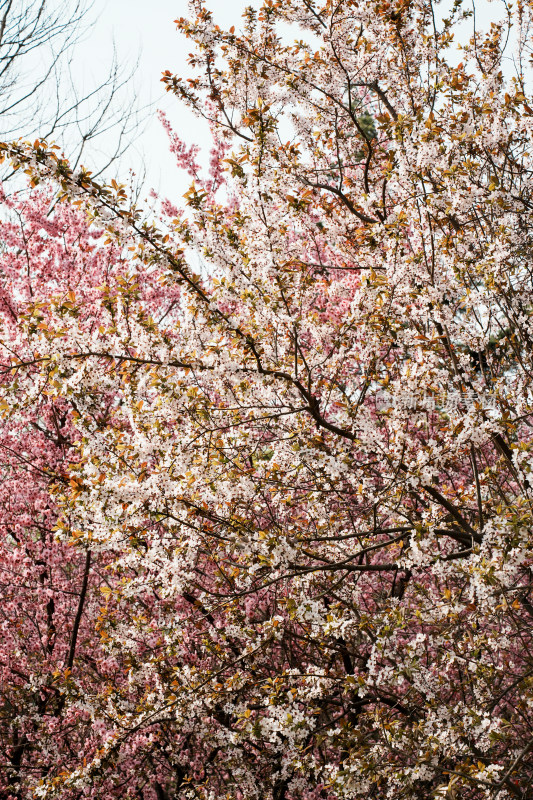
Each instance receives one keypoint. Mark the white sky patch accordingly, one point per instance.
(149, 35)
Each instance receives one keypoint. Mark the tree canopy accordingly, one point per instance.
(266, 497)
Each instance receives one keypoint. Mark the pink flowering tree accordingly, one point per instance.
(306, 470)
(53, 665)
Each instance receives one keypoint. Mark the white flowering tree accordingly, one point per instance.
(311, 483)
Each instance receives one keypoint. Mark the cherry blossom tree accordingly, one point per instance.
(298, 425)
(51, 659)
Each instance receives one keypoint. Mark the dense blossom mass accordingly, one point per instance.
(266, 499)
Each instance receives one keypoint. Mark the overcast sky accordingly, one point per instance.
(147, 31)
